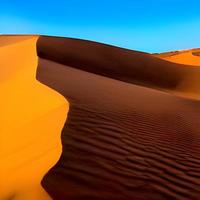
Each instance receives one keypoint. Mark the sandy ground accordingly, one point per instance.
(188, 57)
(132, 131)
(32, 116)
(133, 128)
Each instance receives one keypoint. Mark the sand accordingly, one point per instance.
(122, 64)
(133, 128)
(32, 116)
(188, 57)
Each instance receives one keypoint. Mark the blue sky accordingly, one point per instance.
(146, 25)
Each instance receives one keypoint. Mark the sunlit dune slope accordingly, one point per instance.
(6, 40)
(32, 117)
(130, 134)
(188, 57)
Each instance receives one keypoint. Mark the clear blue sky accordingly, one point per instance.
(146, 25)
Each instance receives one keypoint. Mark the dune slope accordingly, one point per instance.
(188, 57)
(122, 64)
(29, 142)
(122, 141)
(133, 127)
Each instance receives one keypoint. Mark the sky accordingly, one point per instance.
(144, 25)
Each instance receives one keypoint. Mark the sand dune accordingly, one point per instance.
(132, 131)
(122, 64)
(29, 141)
(6, 40)
(188, 57)
(122, 140)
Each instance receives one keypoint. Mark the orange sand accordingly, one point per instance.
(32, 116)
(183, 57)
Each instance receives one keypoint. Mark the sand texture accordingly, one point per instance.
(133, 129)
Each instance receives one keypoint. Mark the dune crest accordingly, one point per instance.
(124, 138)
(129, 133)
(122, 64)
(29, 142)
(187, 57)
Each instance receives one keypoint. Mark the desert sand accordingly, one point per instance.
(29, 142)
(132, 130)
(188, 57)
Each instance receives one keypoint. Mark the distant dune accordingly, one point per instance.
(188, 57)
(133, 127)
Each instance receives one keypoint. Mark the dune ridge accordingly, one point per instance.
(132, 131)
(29, 142)
(130, 134)
(188, 57)
(122, 64)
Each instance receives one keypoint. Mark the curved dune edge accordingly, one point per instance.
(122, 141)
(32, 117)
(122, 64)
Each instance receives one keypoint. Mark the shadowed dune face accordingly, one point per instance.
(121, 64)
(122, 141)
(32, 116)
